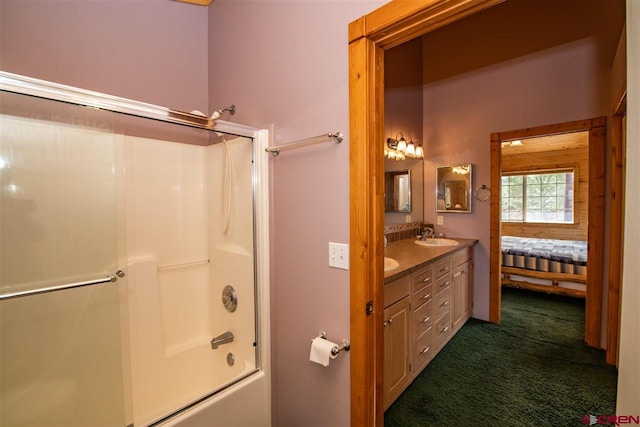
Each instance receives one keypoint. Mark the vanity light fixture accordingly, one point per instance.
(399, 149)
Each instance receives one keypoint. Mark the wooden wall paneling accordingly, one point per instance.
(577, 159)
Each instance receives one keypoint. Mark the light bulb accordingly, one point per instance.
(419, 152)
(411, 149)
(402, 145)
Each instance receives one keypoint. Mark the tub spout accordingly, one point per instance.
(225, 338)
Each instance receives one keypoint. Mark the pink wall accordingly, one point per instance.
(286, 64)
(403, 113)
(149, 50)
(551, 86)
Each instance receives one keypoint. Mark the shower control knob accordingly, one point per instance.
(229, 298)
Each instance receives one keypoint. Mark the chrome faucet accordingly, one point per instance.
(225, 338)
(427, 233)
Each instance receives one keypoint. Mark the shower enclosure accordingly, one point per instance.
(132, 271)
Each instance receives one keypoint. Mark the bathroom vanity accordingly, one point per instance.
(428, 296)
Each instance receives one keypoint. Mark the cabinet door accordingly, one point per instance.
(462, 294)
(396, 350)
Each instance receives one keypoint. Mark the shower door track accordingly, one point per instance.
(15, 83)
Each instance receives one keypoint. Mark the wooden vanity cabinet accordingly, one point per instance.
(462, 282)
(396, 339)
(422, 313)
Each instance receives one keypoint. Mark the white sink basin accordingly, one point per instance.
(390, 264)
(438, 241)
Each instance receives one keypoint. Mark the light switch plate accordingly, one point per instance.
(440, 220)
(339, 255)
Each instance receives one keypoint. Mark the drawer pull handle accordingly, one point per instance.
(425, 296)
(445, 284)
(426, 279)
(426, 319)
(444, 304)
(425, 350)
(459, 273)
(446, 328)
(444, 269)
(388, 322)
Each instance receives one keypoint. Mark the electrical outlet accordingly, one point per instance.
(339, 255)
(440, 220)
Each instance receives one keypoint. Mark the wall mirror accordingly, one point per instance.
(453, 188)
(397, 191)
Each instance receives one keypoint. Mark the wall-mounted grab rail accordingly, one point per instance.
(38, 291)
(337, 137)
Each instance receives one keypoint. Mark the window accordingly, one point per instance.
(538, 197)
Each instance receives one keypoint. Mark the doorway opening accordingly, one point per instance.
(552, 153)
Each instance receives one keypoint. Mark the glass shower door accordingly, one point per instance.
(61, 355)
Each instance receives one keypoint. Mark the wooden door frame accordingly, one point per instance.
(369, 36)
(595, 252)
(616, 226)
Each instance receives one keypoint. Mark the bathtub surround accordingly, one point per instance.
(173, 221)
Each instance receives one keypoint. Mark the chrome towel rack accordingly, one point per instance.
(331, 136)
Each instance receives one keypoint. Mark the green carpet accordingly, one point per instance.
(532, 369)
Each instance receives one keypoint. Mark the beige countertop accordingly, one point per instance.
(413, 257)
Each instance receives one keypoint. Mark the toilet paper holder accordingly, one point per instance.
(336, 350)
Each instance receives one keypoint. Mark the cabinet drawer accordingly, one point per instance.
(396, 290)
(423, 350)
(442, 330)
(422, 296)
(443, 267)
(443, 301)
(461, 256)
(422, 278)
(422, 319)
(443, 283)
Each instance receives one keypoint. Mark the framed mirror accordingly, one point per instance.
(453, 188)
(397, 191)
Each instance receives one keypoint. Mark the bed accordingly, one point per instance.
(545, 265)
